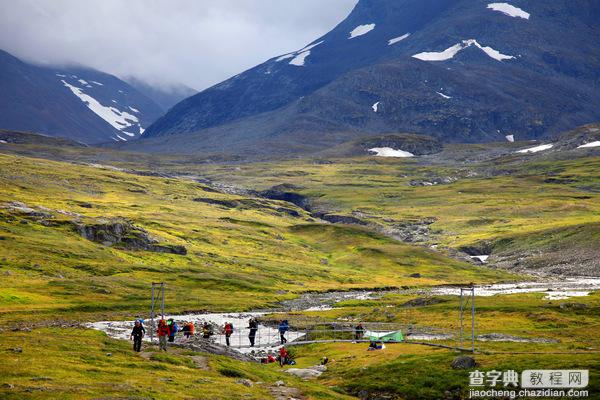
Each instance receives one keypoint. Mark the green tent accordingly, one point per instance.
(395, 336)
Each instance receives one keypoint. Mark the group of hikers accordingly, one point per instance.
(167, 329)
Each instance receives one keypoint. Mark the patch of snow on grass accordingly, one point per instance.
(591, 144)
(443, 95)
(389, 152)
(536, 148)
(451, 51)
(508, 9)
(483, 259)
(361, 30)
(398, 39)
(116, 118)
(375, 106)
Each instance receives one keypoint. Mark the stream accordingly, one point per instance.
(553, 290)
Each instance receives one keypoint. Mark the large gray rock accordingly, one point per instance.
(123, 234)
(464, 362)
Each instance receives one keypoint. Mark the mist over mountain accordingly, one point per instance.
(77, 103)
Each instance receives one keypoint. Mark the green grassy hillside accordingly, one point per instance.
(243, 253)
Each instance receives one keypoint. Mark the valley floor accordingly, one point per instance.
(81, 242)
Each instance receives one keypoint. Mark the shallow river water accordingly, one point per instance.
(553, 289)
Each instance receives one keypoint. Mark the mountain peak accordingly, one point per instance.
(497, 65)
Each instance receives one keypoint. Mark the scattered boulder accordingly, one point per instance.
(464, 362)
(307, 373)
(341, 219)
(21, 208)
(279, 383)
(433, 181)
(245, 382)
(17, 350)
(205, 346)
(423, 301)
(572, 306)
(411, 231)
(123, 234)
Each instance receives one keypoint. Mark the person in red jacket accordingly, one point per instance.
(163, 333)
(228, 330)
(283, 356)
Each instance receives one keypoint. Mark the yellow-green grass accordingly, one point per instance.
(472, 209)
(421, 372)
(238, 258)
(409, 371)
(85, 364)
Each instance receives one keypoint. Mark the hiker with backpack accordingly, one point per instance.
(283, 328)
(162, 332)
(206, 331)
(253, 326)
(359, 331)
(137, 333)
(228, 331)
(283, 356)
(173, 329)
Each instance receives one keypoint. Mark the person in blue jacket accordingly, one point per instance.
(173, 329)
(283, 328)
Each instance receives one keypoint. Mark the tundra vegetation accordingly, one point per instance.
(81, 242)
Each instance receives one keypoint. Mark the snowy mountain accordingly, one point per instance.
(82, 104)
(459, 70)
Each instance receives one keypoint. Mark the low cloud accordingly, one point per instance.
(164, 42)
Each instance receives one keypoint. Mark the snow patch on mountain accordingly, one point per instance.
(389, 152)
(510, 10)
(84, 82)
(97, 83)
(444, 95)
(119, 120)
(398, 39)
(299, 57)
(536, 148)
(588, 145)
(285, 57)
(135, 110)
(510, 138)
(451, 51)
(361, 30)
(375, 106)
(299, 60)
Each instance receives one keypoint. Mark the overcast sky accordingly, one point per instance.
(195, 42)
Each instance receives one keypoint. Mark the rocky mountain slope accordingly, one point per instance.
(460, 70)
(77, 103)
